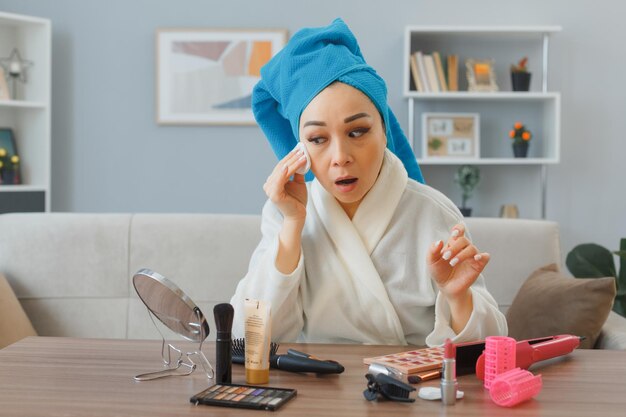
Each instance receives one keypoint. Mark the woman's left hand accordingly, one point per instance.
(456, 264)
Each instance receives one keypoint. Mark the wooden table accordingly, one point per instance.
(43, 376)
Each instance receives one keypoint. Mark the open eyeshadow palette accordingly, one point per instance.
(244, 396)
(412, 361)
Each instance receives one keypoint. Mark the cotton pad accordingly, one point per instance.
(305, 168)
(434, 393)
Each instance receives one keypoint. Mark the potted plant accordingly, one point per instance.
(520, 77)
(590, 260)
(467, 177)
(9, 168)
(14, 170)
(3, 155)
(521, 140)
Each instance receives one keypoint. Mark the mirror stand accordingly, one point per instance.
(184, 364)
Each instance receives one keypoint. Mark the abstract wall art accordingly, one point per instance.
(206, 76)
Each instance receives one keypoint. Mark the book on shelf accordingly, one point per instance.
(421, 70)
(417, 80)
(434, 73)
(440, 74)
(453, 73)
(431, 74)
(4, 88)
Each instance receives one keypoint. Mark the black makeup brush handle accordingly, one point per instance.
(223, 357)
(298, 364)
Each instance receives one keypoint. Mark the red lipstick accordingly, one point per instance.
(449, 384)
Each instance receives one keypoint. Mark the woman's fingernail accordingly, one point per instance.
(454, 261)
(455, 232)
(447, 254)
(478, 257)
(436, 244)
(302, 158)
(285, 168)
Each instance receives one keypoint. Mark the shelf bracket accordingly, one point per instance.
(412, 123)
(546, 44)
(544, 186)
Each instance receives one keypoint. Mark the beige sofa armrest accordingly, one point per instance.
(14, 324)
(613, 335)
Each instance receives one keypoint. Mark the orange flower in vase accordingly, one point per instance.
(521, 140)
(520, 76)
(15, 168)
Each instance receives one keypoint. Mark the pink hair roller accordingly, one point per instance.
(514, 386)
(499, 357)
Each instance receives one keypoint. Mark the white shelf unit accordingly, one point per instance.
(28, 114)
(539, 109)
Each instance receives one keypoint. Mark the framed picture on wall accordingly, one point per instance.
(206, 76)
(450, 135)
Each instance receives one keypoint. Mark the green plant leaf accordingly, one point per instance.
(619, 305)
(621, 278)
(590, 261)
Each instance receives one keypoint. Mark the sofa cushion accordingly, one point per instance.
(550, 303)
(14, 323)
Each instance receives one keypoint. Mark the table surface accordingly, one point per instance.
(45, 376)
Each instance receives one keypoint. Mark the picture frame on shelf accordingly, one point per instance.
(5, 94)
(206, 76)
(450, 135)
(10, 171)
(481, 76)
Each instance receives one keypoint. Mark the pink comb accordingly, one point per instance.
(514, 386)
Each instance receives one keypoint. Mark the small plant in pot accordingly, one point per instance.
(520, 77)
(590, 260)
(521, 140)
(467, 177)
(9, 168)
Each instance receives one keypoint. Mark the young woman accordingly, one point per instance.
(363, 253)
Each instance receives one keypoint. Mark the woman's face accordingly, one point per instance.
(343, 132)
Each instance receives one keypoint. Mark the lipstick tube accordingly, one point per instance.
(449, 384)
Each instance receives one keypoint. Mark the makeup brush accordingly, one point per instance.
(223, 344)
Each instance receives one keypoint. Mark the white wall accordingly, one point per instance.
(109, 155)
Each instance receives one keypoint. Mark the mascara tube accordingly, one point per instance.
(449, 384)
(223, 343)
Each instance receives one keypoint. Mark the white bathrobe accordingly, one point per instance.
(364, 280)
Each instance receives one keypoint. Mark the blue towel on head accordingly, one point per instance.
(313, 59)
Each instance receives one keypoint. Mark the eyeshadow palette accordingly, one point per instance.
(412, 361)
(244, 396)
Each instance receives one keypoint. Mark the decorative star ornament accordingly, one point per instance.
(15, 66)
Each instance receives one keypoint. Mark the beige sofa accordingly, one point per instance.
(72, 272)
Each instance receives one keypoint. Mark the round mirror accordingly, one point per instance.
(171, 305)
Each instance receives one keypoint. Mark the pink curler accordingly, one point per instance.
(514, 386)
(499, 357)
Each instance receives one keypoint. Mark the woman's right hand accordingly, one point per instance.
(289, 195)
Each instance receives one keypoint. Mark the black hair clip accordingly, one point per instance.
(388, 387)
